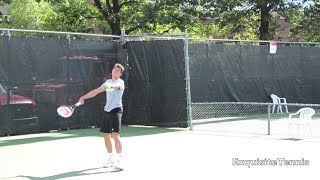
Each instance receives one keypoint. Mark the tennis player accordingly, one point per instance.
(111, 123)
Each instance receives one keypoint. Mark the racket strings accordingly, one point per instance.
(65, 111)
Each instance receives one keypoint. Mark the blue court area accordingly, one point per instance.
(158, 153)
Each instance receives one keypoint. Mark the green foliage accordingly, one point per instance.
(246, 18)
(306, 22)
(237, 19)
(159, 18)
(26, 14)
(146, 16)
(5, 1)
(69, 15)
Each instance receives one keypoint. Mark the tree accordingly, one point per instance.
(5, 1)
(66, 15)
(237, 12)
(306, 22)
(4, 13)
(26, 14)
(144, 16)
(241, 19)
(111, 13)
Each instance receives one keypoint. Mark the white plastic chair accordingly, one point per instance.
(279, 102)
(304, 119)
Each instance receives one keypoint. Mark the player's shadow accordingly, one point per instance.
(84, 172)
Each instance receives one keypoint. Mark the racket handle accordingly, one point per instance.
(78, 104)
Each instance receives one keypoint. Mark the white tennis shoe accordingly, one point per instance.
(118, 162)
(109, 163)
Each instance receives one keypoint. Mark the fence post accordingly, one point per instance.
(187, 75)
(268, 118)
(68, 69)
(123, 33)
(9, 79)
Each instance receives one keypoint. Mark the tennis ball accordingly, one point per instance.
(107, 86)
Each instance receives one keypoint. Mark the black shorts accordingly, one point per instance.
(112, 121)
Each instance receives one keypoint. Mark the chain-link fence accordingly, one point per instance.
(231, 82)
(254, 118)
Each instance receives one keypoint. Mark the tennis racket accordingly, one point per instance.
(66, 111)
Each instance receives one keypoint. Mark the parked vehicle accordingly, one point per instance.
(19, 116)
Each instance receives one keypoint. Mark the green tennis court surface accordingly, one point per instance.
(156, 153)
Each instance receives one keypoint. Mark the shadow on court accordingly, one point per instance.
(73, 174)
(126, 131)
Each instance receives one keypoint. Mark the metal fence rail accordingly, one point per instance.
(56, 32)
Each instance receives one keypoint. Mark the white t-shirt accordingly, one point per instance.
(113, 96)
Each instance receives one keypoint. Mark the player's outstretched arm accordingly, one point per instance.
(90, 94)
